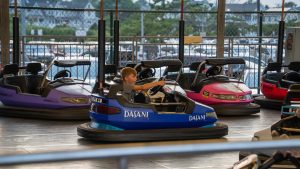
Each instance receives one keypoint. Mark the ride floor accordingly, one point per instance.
(22, 136)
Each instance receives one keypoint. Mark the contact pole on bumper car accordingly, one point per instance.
(281, 35)
(16, 38)
(116, 38)
(181, 33)
(101, 48)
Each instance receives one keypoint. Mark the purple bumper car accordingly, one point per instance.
(33, 95)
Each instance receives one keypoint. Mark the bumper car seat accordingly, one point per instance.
(11, 78)
(33, 80)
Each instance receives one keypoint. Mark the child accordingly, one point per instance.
(129, 79)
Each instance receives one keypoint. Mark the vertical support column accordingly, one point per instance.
(260, 34)
(4, 31)
(281, 36)
(181, 41)
(181, 33)
(116, 37)
(280, 42)
(16, 35)
(111, 30)
(101, 54)
(16, 40)
(101, 48)
(116, 43)
(142, 35)
(220, 28)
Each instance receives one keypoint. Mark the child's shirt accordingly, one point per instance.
(128, 92)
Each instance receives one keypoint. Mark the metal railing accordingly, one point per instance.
(243, 30)
(125, 153)
(134, 49)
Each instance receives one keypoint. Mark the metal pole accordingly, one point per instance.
(111, 19)
(181, 33)
(116, 37)
(16, 36)
(23, 32)
(101, 48)
(281, 36)
(142, 33)
(260, 24)
(260, 32)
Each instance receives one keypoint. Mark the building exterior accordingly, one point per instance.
(249, 18)
(274, 18)
(80, 21)
(204, 3)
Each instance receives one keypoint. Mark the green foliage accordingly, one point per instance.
(166, 24)
(110, 4)
(290, 4)
(10, 26)
(232, 30)
(58, 30)
(272, 29)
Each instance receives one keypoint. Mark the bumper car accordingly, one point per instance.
(228, 96)
(161, 113)
(286, 128)
(33, 95)
(275, 84)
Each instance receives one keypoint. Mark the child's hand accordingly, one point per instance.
(161, 83)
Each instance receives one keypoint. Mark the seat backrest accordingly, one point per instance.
(33, 80)
(292, 76)
(194, 66)
(11, 69)
(273, 66)
(34, 68)
(110, 69)
(11, 78)
(33, 83)
(132, 65)
(114, 89)
(295, 66)
(17, 81)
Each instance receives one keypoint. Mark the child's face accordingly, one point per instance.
(131, 78)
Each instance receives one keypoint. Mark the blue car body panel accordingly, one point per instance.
(130, 118)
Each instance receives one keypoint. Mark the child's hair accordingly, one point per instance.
(127, 71)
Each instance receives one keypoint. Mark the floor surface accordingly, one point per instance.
(21, 136)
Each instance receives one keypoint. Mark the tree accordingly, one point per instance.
(290, 4)
(232, 30)
(267, 7)
(58, 30)
(123, 4)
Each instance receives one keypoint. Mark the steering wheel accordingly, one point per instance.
(63, 73)
(146, 73)
(156, 89)
(214, 70)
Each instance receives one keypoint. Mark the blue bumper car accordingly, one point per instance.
(165, 114)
